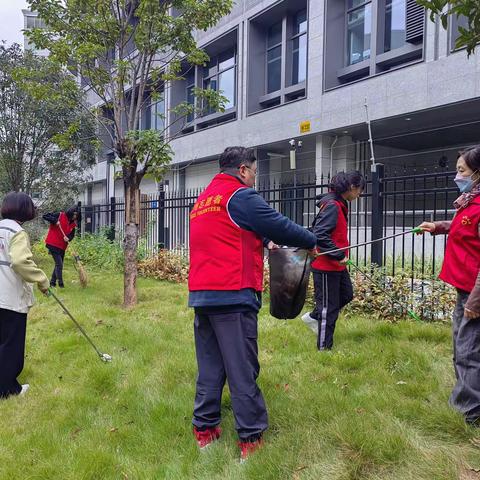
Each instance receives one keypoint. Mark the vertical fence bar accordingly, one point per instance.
(377, 212)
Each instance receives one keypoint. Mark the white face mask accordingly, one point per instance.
(464, 184)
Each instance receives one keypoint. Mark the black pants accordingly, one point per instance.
(465, 396)
(333, 290)
(226, 347)
(58, 257)
(13, 327)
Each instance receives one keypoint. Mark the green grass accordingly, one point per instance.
(374, 408)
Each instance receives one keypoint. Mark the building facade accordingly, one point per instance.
(306, 70)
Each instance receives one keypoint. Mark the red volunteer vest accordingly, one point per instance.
(55, 235)
(462, 256)
(223, 256)
(339, 238)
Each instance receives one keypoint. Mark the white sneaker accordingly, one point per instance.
(24, 390)
(311, 322)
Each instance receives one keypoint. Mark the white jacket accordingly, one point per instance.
(16, 293)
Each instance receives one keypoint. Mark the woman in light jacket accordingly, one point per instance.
(17, 272)
(461, 269)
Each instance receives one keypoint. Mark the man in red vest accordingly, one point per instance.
(229, 226)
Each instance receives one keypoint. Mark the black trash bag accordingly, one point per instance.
(289, 275)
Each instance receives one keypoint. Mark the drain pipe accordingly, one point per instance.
(335, 140)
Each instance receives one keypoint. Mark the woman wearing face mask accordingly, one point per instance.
(461, 268)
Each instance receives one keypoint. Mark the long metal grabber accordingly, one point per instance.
(415, 230)
(385, 291)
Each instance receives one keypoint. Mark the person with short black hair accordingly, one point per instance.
(461, 269)
(332, 284)
(17, 272)
(229, 226)
(60, 233)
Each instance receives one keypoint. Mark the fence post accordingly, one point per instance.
(378, 173)
(79, 223)
(111, 228)
(161, 218)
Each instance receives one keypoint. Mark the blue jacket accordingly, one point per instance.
(251, 212)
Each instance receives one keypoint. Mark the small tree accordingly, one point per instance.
(128, 52)
(470, 9)
(46, 140)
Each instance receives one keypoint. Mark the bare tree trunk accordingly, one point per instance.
(132, 219)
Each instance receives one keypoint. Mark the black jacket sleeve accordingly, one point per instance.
(51, 217)
(323, 226)
(251, 212)
(71, 235)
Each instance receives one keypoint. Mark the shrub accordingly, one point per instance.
(97, 251)
(429, 298)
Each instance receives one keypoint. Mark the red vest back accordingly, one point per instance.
(339, 238)
(55, 236)
(223, 256)
(462, 256)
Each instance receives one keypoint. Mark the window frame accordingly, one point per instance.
(292, 40)
(269, 49)
(348, 11)
(379, 61)
(216, 75)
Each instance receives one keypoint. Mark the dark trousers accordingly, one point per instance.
(465, 396)
(58, 257)
(13, 327)
(226, 348)
(333, 290)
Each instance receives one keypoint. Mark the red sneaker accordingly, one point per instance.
(247, 448)
(206, 437)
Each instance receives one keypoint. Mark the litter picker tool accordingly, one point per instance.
(415, 230)
(394, 300)
(105, 357)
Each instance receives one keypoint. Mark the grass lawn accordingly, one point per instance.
(374, 408)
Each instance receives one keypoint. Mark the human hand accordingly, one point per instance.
(426, 227)
(272, 245)
(470, 314)
(343, 261)
(66, 239)
(58, 224)
(44, 290)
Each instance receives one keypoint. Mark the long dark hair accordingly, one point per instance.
(342, 182)
(71, 212)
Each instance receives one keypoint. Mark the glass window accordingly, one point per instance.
(395, 17)
(458, 21)
(226, 84)
(301, 22)
(219, 75)
(157, 115)
(274, 73)
(299, 48)
(359, 29)
(356, 3)
(226, 60)
(299, 67)
(274, 57)
(274, 36)
(190, 97)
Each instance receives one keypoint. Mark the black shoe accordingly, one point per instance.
(61, 285)
(53, 285)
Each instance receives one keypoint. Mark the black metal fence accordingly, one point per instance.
(389, 205)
